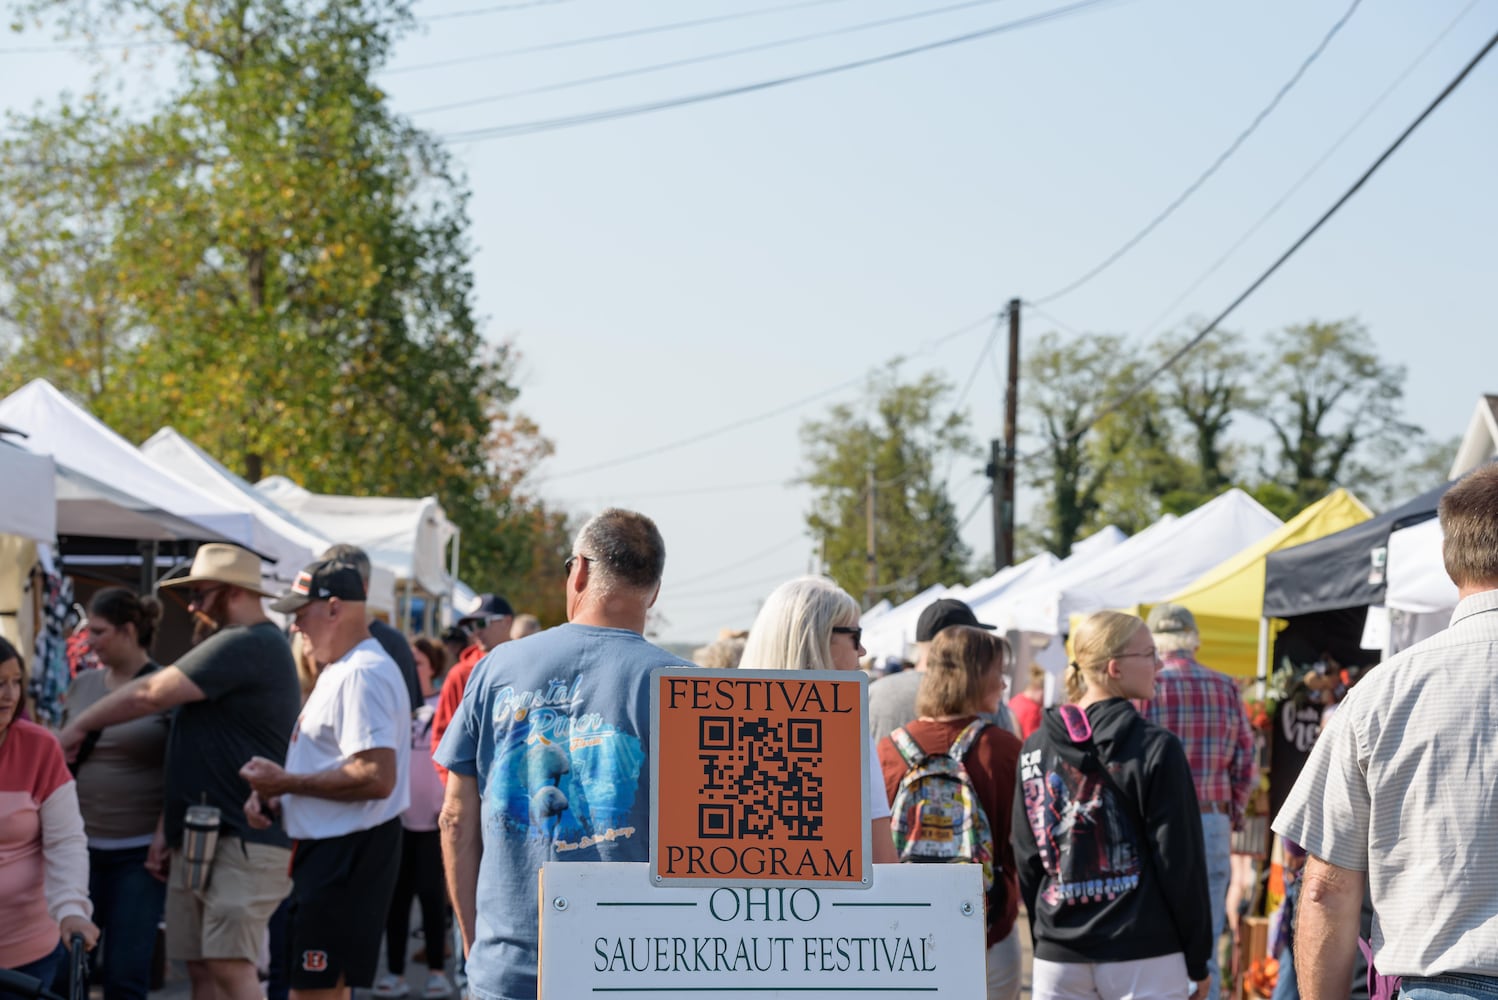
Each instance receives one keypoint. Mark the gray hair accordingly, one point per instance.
(353, 556)
(793, 630)
(623, 548)
(1188, 641)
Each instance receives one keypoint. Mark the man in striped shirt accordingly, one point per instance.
(1205, 711)
(1403, 785)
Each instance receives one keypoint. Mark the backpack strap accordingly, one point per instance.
(910, 751)
(965, 739)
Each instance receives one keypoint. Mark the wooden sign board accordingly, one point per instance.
(607, 930)
(760, 777)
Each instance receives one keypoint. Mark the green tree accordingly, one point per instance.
(273, 262)
(1331, 403)
(1093, 472)
(1203, 391)
(900, 439)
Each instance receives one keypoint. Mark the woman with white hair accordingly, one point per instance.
(811, 623)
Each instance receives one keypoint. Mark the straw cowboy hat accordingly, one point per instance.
(218, 562)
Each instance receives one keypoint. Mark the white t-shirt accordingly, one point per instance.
(359, 703)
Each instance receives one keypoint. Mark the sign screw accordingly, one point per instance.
(561, 903)
(967, 907)
(660, 878)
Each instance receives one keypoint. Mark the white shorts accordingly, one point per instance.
(1162, 978)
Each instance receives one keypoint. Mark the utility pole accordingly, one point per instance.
(1011, 413)
(1002, 456)
(868, 597)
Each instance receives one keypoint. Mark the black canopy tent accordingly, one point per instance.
(1323, 590)
(1342, 570)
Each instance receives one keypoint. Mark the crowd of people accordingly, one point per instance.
(256, 810)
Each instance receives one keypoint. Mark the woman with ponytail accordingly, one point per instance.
(121, 784)
(1107, 833)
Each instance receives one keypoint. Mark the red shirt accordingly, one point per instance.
(1027, 713)
(993, 766)
(451, 697)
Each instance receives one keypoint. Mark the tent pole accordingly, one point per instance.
(1263, 657)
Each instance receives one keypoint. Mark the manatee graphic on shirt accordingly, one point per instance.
(561, 776)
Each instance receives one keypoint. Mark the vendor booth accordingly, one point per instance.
(293, 542)
(411, 537)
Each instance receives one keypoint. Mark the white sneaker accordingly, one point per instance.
(438, 987)
(391, 987)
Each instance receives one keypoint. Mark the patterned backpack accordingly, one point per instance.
(936, 816)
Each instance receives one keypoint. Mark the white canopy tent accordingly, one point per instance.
(106, 487)
(1158, 561)
(278, 533)
(409, 536)
(1419, 598)
(1006, 581)
(886, 635)
(28, 494)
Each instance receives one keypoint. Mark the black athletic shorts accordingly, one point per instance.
(340, 893)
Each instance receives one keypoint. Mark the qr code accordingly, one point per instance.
(760, 778)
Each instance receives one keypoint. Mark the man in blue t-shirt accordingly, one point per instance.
(547, 754)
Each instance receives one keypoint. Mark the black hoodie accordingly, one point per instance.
(1096, 890)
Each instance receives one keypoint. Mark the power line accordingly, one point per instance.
(936, 554)
(778, 546)
(611, 36)
(650, 107)
(500, 8)
(1314, 168)
(703, 58)
(1222, 158)
(695, 490)
(1326, 216)
(757, 418)
(122, 43)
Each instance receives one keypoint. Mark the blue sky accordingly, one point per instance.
(671, 273)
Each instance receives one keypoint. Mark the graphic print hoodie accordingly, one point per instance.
(1097, 888)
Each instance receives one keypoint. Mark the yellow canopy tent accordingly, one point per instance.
(1228, 600)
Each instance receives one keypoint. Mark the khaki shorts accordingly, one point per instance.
(229, 917)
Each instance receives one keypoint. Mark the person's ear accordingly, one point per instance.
(653, 595)
(334, 606)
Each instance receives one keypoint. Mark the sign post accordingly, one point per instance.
(761, 778)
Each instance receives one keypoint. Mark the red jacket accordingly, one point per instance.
(452, 697)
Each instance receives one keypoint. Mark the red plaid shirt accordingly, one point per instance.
(1205, 711)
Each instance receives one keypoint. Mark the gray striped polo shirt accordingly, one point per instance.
(1403, 784)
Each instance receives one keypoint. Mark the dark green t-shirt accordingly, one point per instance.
(250, 707)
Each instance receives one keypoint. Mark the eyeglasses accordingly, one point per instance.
(573, 559)
(1153, 654)
(856, 633)
(200, 595)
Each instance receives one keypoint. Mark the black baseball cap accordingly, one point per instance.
(319, 581)
(490, 606)
(944, 614)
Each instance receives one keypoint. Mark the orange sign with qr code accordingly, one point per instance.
(760, 777)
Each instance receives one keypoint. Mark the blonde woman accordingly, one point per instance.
(1107, 834)
(812, 624)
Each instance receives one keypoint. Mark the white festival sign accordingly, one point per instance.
(607, 931)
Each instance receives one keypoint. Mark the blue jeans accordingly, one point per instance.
(1456, 986)
(127, 907)
(45, 969)
(1217, 837)
(1285, 987)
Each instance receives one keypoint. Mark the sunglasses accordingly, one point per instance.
(200, 595)
(856, 633)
